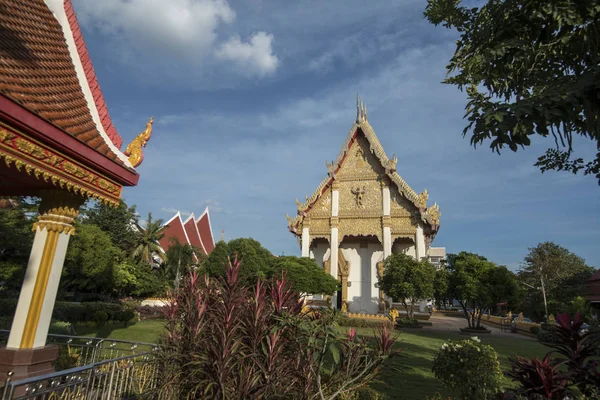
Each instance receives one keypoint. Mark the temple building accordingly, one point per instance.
(57, 142)
(362, 212)
(196, 232)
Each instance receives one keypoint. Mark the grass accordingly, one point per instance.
(412, 377)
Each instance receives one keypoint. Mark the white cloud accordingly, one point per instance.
(255, 56)
(188, 29)
(171, 210)
(215, 206)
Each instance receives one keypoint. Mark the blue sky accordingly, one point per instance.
(251, 98)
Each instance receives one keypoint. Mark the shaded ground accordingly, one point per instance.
(441, 323)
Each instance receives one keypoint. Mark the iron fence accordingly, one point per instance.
(89, 368)
(128, 377)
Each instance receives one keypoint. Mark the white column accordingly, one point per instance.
(38, 293)
(335, 199)
(305, 242)
(334, 252)
(386, 201)
(420, 243)
(387, 241)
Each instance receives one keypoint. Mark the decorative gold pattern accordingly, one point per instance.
(58, 210)
(360, 170)
(40, 161)
(134, 149)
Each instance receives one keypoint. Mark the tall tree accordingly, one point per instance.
(16, 239)
(529, 68)
(147, 240)
(561, 273)
(407, 280)
(440, 287)
(90, 261)
(118, 222)
(478, 284)
(256, 260)
(304, 275)
(180, 258)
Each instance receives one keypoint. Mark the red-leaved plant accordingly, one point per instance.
(576, 371)
(228, 341)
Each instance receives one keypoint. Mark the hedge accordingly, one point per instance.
(361, 323)
(77, 312)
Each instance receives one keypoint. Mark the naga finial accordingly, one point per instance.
(134, 149)
(331, 168)
(434, 213)
(422, 199)
(390, 166)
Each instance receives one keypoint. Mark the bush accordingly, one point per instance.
(8, 307)
(61, 328)
(535, 330)
(407, 322)
(226, 340)
(100, 318)
(469, 368)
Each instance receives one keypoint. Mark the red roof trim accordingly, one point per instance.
(40, 129)
(90, 75)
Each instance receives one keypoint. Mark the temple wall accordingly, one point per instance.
(404, 247)
(319, 252)
(362, 294)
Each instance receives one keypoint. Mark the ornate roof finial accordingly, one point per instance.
(361, 110)
(134, 149)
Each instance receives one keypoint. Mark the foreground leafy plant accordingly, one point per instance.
(469, 367)
(225, 340)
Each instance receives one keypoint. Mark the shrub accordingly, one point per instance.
(535, 330)
(407, 322)
(61, 328)
(225, 340)
(469, 368)
(100, 318)
(68, 357)
(538, 378)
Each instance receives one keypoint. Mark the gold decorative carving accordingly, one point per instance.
(39, 161)
(343, 264)
(422, 201)
(134, 149)
(403, 225)
(360, 227)
(319, 226)
(335, 222)
(387, 221)
(358, 193)
(58, 210)
(390, 165)
(434, 214)
(331, 169)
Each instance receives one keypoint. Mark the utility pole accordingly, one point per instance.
(543, 287)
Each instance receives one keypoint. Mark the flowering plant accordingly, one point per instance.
(469, 368)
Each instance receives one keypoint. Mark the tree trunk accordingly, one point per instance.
(406, 308)
(466, 312)
(479, 317)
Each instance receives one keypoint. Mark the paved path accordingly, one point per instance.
(442, 323)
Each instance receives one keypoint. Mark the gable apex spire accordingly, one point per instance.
(361, 110)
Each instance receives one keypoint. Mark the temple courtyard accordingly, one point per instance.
(409, 374)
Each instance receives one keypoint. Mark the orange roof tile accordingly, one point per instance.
(37, 72)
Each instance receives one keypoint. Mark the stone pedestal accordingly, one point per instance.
(25, 363)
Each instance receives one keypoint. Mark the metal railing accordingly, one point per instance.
(121, 378)
(87, 350)
(92, 368)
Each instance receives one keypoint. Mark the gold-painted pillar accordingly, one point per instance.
(344, 271)
(53, 228)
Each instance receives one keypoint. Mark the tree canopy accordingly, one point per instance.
(478, 284)
(406, 279)
(256, 260)
(305, 275)
(147, 240)
(564, 273)
(118, 222)
(529, 68)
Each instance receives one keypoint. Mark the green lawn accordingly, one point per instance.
(414, 380)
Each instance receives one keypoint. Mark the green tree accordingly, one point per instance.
(118, 222)
(16, 239)
(90, 261)
(305, 275)
(528, 68)
(440, 287)
(147, 240)
(256, 260)
(180, 259)
(406, 279)
(561, 273)
(478, 284)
